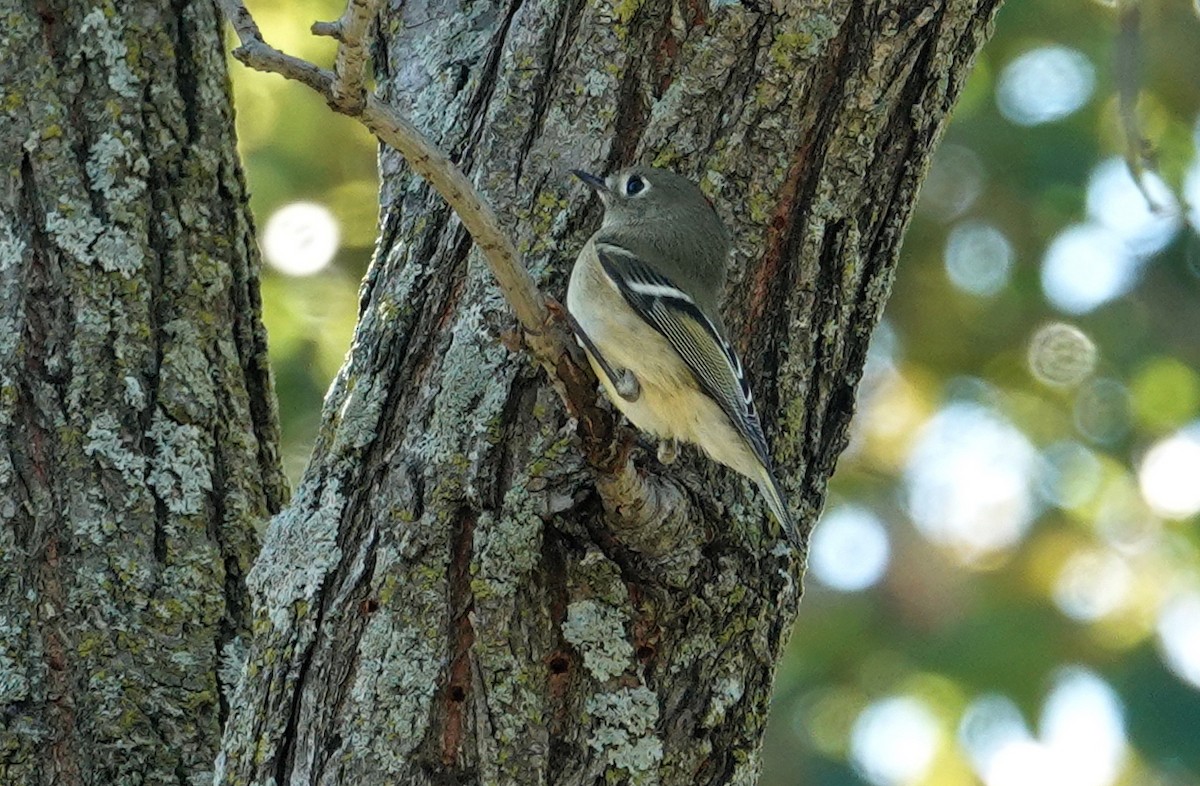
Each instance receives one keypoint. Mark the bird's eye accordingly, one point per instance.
(634, 185)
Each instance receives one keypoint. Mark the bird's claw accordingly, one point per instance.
(627, 386)
(625, 383)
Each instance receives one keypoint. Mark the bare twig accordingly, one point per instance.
(350, 67)
(422, 155)
(545, 333)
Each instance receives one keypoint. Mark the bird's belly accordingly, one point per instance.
(673, 408)
(667, 388)
(671, 404)
(662, 408)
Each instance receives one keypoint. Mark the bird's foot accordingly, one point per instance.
(668, 451)
(627, 386)
(624, 382)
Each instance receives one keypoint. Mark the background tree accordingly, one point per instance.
(138, 435)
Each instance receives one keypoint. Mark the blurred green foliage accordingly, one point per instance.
(295, 149)
(1006, 586)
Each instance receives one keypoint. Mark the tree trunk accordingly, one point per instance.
(138, 433)
(445, 601)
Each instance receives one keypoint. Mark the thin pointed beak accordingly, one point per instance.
(595, 183)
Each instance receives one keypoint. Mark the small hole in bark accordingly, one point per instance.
(457, 693)
(559, 665)
(369, 606)
(333, 744)
(645, 652)
(461, 77)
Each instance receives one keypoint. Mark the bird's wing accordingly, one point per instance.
(691, 333)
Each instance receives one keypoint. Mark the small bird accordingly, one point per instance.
(643, 302)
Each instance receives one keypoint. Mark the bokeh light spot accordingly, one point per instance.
(991, 724)
(1085, 266)
(1102, 410)
(1025, 763)
(954, 183)
(1179, 636)
(968, 481)
(978, 258)
(1115, 200)
(300, 238)
(850, 549)
(894, 741)
(826, 717)
(1168, 474)
(1122, 518)
(1061, 355)
(1044, 85)
(1070, 475)
(1092, 585)
(1089, 264)
(1083, 725)
(1165, 393)
(1082, 736)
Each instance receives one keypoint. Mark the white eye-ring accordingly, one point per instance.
(634, 185)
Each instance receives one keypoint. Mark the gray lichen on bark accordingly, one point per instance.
(445, 599)
(138, 437)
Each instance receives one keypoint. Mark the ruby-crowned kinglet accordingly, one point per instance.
(643, 301)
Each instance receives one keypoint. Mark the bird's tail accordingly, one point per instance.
(778, 505)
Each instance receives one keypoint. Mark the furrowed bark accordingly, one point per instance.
(138, 433)
(445, 601)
